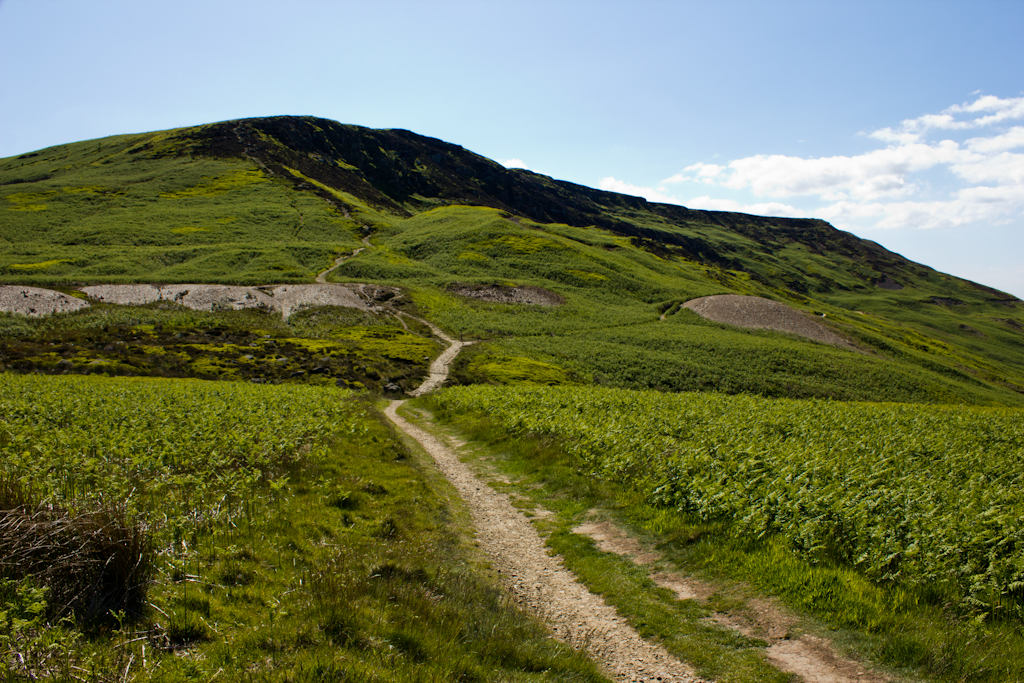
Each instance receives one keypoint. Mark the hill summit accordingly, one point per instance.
(279, 200)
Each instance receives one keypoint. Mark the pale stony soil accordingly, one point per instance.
(814, 659)
(283, 299)
(291, 298)
(755, 312)
(36, 302)
(196, 297)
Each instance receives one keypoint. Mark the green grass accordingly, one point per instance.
(543, 478)
(161, 207)
(686, 353)
(125, 213)
(295, 539)
(608, 330)
(893, 521)
(323, 346)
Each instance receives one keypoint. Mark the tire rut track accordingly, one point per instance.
(540, 582)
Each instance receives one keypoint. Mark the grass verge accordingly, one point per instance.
(903, 630)
(543, 478)
(333, 554)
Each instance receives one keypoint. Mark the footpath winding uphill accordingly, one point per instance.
(540, 582)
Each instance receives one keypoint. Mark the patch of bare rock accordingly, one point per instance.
(502, 294)
(36, 302)
(283, 299)
(756, 312)
(196, 297)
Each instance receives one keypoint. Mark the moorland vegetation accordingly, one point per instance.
(276, 519)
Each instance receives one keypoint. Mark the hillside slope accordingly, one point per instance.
(273, 200)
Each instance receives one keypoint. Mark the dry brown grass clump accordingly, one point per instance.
(94, 564)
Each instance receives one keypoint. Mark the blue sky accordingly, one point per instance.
(901, 121)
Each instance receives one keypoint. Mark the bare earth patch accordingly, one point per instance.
(812, 658)
(36, 302)
(536, 296)
(283, 299)
(291, 298)
(756, 312)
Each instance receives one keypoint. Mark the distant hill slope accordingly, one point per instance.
(275, 200)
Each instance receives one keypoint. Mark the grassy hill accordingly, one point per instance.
(286, 549)
(276, 200)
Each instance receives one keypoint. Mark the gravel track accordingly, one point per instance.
(540, 582)
(439, 368)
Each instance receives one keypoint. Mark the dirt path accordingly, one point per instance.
(814, 659)
(439, 368)
(540, 582)
(322, 276)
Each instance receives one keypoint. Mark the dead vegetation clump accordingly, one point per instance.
(94, 564)
(504, 294)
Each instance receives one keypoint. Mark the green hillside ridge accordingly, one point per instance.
(309, 552)
(271, 200)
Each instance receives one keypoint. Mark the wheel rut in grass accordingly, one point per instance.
(812, 658)
(540, 582)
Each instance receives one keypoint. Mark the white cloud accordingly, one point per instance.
(994, 205)
(867, 176)
(998, 110)
(514, 163)
(895, 137)
(701, 171)
(885, 188)
(1011, 139)
(1002, 109)
(764, 209)
(1004, 168)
